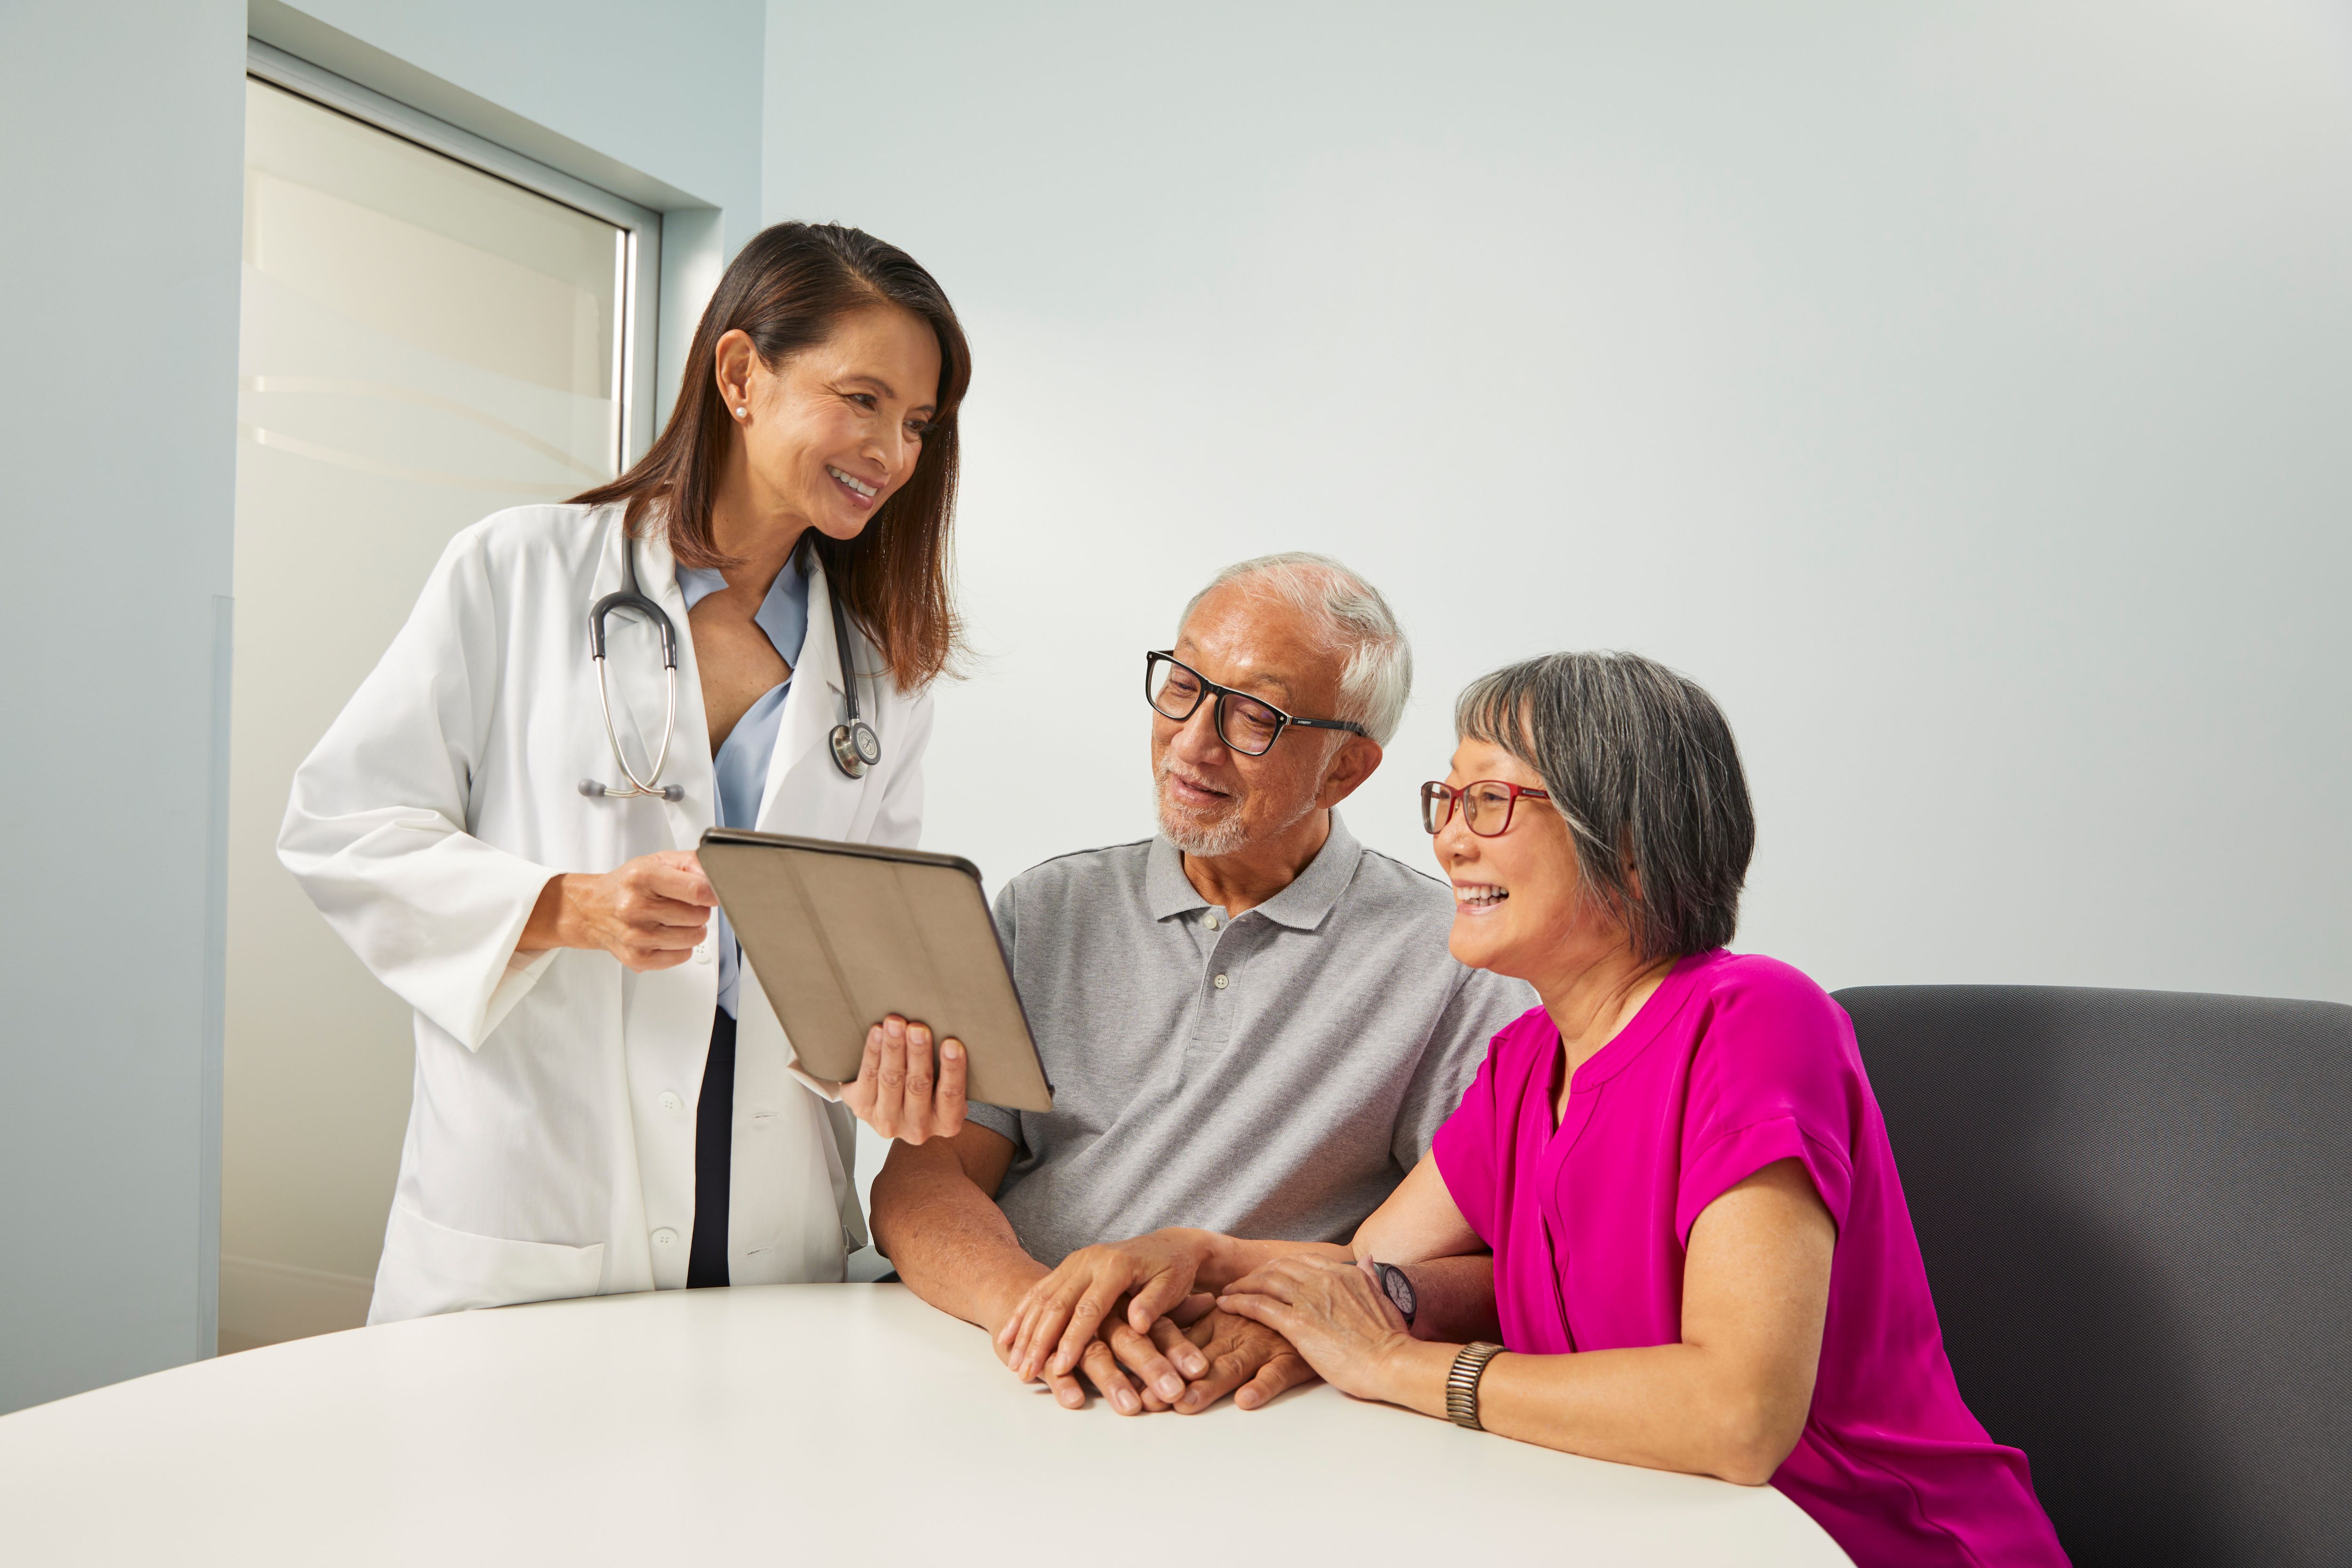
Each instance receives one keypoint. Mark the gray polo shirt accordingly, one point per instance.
(1273, 1075)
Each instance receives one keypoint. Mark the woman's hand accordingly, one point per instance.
(896, 1093)
(650, 913)
(1335, 1314)
(1062, 1313)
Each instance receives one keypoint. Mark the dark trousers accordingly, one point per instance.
(714, 1150)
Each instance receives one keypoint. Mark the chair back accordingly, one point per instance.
(2136, 1209)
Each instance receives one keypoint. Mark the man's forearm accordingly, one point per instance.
(947, 1240)
(1454, 1299)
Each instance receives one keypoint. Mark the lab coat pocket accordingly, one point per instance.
(430, 1268)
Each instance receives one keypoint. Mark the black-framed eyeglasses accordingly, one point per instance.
(1249, 725)
(1486, 805)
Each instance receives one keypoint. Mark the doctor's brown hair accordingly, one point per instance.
(785, 290)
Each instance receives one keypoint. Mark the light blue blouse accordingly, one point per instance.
(750, 747)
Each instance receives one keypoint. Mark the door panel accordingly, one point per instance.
(422, 344)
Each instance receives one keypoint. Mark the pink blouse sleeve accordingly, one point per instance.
(1472, 1145)
(1776, 1077)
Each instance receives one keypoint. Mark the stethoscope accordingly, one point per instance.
(856, 746)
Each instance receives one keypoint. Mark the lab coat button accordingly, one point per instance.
(665, 1236)
(670, 1101)
(702, 954)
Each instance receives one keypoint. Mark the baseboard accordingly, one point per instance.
(263, 1302)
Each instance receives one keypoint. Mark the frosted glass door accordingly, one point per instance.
(422, 344)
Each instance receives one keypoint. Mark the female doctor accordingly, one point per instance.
(502, 826)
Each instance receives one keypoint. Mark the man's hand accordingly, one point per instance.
(1160, 1360)
(1062, 1314)
(1244, 1355)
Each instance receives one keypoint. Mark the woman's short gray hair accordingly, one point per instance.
(1641, 763)
(1378, 676)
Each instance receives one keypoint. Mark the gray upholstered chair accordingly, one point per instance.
(2137, 1212)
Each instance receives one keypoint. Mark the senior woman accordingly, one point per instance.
(1702, 1260)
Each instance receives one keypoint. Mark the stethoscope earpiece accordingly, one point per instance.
(597, 789)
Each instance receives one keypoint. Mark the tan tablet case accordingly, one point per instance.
(841, 935)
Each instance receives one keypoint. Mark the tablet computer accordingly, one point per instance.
(842, 934)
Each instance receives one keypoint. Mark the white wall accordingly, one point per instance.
(1958, 392)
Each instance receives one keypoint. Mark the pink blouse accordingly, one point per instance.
(1737, 1062)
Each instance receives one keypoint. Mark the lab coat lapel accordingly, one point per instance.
(632, 669)
(806, 792)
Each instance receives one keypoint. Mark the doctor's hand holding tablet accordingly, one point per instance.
(739, 633)
(655, 911)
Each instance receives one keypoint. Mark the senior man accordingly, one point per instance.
(1252, 1021)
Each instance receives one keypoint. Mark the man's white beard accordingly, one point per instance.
(1222, 837)
(1227, 833)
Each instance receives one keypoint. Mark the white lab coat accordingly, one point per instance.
(550, 1143)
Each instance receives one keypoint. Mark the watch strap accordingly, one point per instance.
(1462, 1383)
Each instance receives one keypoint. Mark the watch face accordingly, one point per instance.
(1399, 1289)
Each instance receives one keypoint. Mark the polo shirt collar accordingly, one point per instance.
(1300, 907)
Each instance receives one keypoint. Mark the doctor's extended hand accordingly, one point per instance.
(898, 1093)
(650, 913)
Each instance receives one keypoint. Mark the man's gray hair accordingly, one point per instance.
(1378, 676)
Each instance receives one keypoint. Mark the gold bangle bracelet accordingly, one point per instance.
(1462, 1383)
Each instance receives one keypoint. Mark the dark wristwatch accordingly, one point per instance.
(1398, 1286)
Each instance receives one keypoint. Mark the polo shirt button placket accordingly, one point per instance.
(1221, 978)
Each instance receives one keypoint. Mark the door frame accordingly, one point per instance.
(639, 296)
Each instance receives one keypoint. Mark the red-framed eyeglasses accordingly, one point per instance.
(1486, 805)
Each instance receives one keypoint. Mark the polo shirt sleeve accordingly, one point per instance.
(1003, 1123)
(1469, 1148)
(1775, 1075)
(1482, 1006)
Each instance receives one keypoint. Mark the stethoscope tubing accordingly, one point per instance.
(855, 748)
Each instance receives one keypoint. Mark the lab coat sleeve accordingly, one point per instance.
(375, 829)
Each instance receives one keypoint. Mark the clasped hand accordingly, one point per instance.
(1336, 1314)
(1129, 1309)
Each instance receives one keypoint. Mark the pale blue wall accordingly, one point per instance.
(124, 125)
(123, 122)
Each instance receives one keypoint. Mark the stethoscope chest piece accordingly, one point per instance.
(855, 748)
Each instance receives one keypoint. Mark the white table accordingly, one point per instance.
(793, 1425)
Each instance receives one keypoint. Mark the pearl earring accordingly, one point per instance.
(742, 414)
